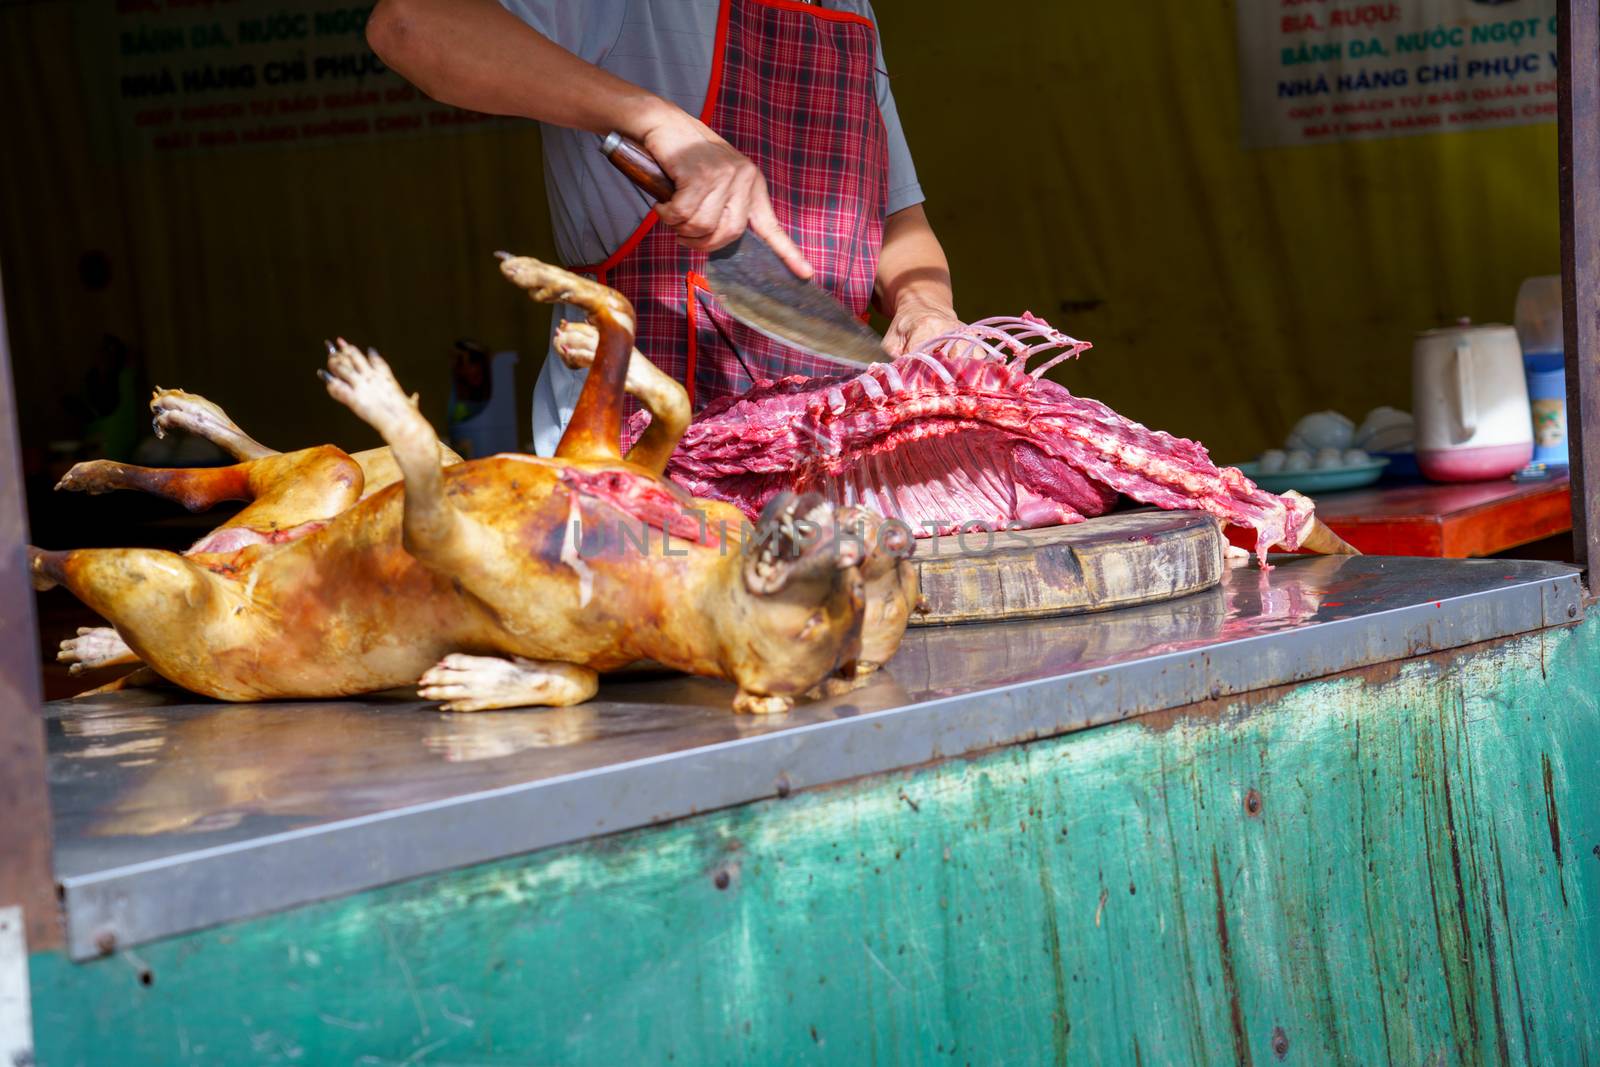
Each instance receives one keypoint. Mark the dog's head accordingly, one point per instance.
(798, 615)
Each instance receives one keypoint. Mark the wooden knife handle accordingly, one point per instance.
(639, 165)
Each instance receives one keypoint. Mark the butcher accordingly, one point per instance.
(774, 115)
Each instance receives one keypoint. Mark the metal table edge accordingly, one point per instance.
(143, 902)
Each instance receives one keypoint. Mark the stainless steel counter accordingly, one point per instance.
(173, 814)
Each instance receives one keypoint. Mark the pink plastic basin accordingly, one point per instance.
(1474, 464)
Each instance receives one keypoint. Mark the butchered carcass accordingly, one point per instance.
(964, 433)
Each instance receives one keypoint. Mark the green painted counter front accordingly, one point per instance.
(1397, 866)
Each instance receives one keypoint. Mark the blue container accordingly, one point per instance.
(1547, 393)
(1402, 467)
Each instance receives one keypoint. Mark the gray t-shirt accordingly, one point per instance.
(664, 46)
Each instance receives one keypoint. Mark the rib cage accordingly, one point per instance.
(963, 433)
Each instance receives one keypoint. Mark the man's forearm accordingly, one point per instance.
(474, 54)
(913, 286)
(912, 264)
(477, 55)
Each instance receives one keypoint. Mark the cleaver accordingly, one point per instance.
(754, 285)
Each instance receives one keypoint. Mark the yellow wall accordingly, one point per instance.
(1071, 152)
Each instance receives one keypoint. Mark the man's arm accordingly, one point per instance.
(913, 282)
(474, 54)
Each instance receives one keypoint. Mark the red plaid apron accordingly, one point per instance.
(792, 87)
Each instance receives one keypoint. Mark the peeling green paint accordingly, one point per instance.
(1415, 879)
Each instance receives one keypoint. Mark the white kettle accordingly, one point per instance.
(1470, 398)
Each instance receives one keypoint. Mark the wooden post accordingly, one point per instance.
(25, 863)
(1579, 47)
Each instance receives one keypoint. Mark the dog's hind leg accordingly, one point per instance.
(662, 397)
(196, 488)
(481, 683)
(174, 409)
(285, 490)
(93, 648)
(595, 430)
(433, 529)
(101, 646)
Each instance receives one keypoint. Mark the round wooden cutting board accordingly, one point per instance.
(1116, 561)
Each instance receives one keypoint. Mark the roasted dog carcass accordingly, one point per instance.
(505, 581)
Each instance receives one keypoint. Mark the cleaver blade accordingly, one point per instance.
(756, 287)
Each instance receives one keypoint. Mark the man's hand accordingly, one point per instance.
(917, 320)
(720, 191)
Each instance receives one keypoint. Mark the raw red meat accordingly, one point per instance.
(962, 434)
